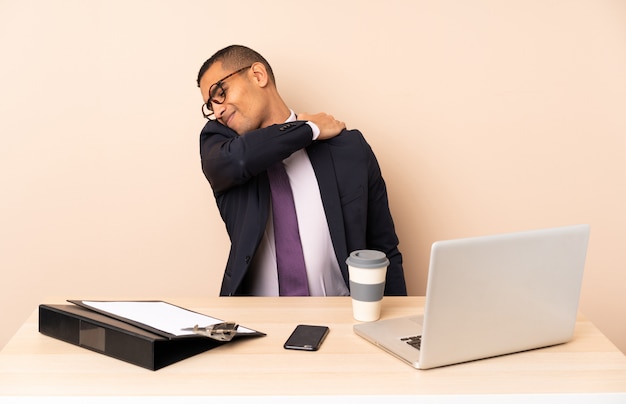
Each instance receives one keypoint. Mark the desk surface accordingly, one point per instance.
(34, 364)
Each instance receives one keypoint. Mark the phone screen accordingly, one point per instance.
(307, 337)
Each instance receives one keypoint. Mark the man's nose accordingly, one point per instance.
(218, 110)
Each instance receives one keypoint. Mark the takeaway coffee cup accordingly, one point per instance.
(367, 270)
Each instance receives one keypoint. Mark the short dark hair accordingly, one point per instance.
(235, 57)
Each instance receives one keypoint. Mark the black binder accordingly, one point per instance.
(113, 337)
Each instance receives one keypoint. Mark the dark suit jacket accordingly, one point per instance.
(352, 189)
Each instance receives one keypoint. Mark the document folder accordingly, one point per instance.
(113, 337)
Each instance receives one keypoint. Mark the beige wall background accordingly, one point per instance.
(486, 116)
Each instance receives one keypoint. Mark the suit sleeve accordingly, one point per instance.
(381, 233)
(229, 160)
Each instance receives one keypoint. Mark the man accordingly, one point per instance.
(339, 194)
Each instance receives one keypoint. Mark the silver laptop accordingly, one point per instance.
(489, 296)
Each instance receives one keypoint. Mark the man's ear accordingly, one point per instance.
(260, 75)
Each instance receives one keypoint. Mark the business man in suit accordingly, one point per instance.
(339, 194)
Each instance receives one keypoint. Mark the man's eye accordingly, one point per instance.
(217, 92)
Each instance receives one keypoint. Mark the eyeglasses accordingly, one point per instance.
(217, 95)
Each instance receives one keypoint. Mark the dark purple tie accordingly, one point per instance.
(292, 280)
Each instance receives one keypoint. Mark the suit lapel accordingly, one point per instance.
(322, 162)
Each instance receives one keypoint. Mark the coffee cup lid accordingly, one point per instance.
(367, 259)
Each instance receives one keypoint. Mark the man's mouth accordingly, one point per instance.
(227, 120)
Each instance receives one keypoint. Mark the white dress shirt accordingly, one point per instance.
(323, 271)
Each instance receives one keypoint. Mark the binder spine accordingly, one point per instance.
(97, 337)
(117, 339)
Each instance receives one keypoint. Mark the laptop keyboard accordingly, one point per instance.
(415, 341)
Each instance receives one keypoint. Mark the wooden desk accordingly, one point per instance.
(34, 364)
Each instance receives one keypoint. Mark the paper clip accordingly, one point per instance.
(221, 331)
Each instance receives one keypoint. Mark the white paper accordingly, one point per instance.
(159, 315)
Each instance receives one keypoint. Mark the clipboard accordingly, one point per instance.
(129, 340)
(162, 318)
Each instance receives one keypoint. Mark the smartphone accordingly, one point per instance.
(307, 337)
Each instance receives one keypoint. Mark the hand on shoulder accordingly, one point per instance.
(329, 126)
